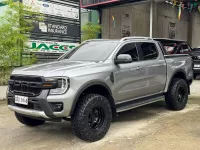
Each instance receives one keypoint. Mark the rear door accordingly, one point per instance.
(155, 64)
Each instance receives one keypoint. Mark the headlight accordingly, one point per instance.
(63, 85)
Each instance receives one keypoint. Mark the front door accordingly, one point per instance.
(130, 79)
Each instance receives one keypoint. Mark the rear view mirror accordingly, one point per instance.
(123, 59)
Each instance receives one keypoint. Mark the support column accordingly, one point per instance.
(151, 19)
(190, 27)
(100, 23)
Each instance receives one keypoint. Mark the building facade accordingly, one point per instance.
(136, 18)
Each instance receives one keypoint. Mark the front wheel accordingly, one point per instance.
(28, 121)
(177, 96)
(92, 117)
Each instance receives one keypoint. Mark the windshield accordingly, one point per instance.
(92, 51)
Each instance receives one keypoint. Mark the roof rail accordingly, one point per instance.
(135, 38)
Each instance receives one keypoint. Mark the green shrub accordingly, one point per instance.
(90, 31)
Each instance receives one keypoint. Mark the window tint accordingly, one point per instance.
(131, 50)
(185, 49)
(149, 51)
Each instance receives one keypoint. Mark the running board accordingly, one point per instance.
(138, 102)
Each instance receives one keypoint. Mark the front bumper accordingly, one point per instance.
(41, 106)
(28, 112)
(37, 106)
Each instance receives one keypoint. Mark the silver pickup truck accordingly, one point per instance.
(94, 82)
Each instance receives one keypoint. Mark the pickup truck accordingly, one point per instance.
(97, 80)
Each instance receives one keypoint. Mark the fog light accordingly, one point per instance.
(57, 107)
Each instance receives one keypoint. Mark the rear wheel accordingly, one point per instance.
(92, 117)
(177, 96)
(28, 121)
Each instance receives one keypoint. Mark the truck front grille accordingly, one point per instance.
(25, 85)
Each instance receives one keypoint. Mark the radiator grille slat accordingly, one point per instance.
(25, 85)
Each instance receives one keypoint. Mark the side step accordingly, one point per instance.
(138, 102)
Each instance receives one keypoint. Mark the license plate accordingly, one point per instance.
(197, 66)
(21, 100)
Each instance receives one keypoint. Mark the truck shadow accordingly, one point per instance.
(63, 130)
(143, 112)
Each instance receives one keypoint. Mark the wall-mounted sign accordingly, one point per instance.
(53, 28)
(50, 46)
(60, 30)
(172, 30)
(126, 25)
(50, 8)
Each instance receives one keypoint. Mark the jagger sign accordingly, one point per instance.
(48, 46)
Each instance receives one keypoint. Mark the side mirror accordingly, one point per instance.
(123, 59)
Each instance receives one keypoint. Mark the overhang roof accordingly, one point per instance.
(98, 4)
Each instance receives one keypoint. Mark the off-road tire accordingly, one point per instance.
(28, 121)
(177, 95)
(81, 117)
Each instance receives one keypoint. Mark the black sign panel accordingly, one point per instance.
(57, 29)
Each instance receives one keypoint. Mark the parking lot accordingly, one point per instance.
(149, 127)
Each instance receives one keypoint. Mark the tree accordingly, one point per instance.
(90, 31)
(15, 26)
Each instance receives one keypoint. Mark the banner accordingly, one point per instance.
(55, 28)
(49, 46)
(126, 24)
(172, 30)
(49, 8)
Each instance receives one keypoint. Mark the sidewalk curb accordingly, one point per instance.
(3, 90)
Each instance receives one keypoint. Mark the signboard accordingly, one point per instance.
(60, 30)
(50, 46)
(172, 30)
(55, 28)
(126, 25)
(49, 8)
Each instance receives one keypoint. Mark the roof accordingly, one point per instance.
(106, 3)
(169, 40)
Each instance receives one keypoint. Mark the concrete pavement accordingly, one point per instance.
(151, 127)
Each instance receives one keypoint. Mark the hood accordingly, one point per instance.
(57, 68)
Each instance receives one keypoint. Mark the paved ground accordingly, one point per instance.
(151, 127)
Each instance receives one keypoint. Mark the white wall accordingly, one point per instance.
(2, 10)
